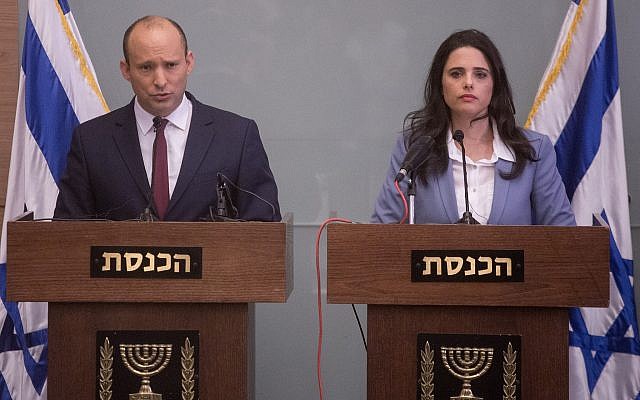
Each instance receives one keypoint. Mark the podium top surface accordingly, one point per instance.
(563, 267)
(242, 262)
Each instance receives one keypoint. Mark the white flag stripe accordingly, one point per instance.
(590, 197)
(612, 381)
(19, 387)
(16, 180)
(83, 51)
(37, 169)
(67, 64)
(581, 36)
(37, 320)
(578, 378)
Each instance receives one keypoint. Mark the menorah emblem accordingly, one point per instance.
(466, 363)
(145, 361)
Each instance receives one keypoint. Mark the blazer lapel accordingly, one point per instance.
(126, 139)
(201, 134)
(444, 183)
(500, 191)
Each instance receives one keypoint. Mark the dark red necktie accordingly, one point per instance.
(160, 178)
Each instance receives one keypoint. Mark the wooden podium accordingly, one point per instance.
(242, 263)
(564, 267)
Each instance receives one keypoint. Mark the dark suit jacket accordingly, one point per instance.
(105, 175)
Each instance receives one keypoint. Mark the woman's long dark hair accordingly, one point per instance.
(435, 117)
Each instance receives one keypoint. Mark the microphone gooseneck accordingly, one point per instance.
(248, 192)
(467, 218)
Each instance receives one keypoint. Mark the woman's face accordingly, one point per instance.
(467, 83)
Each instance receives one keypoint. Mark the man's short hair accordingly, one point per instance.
(149, 21)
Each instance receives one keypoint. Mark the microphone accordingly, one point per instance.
(224, 209)
(416, 156)
(226, 194)
(148, 215)
(467, 218)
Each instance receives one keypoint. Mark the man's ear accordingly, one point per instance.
(125, 69)
(191, 61)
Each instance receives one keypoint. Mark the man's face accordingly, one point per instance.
(157, 67)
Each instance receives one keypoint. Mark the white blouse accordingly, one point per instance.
(480, 177)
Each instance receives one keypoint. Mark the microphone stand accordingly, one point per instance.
(147, 215)
(411, 192)
(467, 218)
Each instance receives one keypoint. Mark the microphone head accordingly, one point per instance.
(458, 136)
(219, 179)
(415, 157)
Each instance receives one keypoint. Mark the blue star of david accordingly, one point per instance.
(13, 338)
(596, 350)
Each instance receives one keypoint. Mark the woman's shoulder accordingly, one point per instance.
(533, 135)
(540, 142)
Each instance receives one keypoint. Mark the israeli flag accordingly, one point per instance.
(578, 106)
(57, 90)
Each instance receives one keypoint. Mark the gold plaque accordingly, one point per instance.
(448, 365)
(153, 365)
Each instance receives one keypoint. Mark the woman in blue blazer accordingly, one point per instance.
(512, 172)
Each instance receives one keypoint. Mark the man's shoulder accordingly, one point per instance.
(117, 116)
(217, 115)
(223, 114)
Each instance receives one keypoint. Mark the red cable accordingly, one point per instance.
(322, 226)
(404, 202)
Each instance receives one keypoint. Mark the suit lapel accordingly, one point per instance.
(500, 191)
(447, 190)
(126, 139)
(199, 139)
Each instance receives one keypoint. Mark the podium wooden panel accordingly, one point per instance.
(564, 267)
(243, 263)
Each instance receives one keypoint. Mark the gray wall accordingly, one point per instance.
(329, 83)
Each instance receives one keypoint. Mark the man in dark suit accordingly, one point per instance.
(162, 152)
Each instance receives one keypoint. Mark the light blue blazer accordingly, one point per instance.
(536, 197)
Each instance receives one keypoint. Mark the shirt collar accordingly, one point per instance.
(178, 118)
(500, 149)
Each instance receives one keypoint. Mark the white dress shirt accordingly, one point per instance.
(480, 177)
(176, 133)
